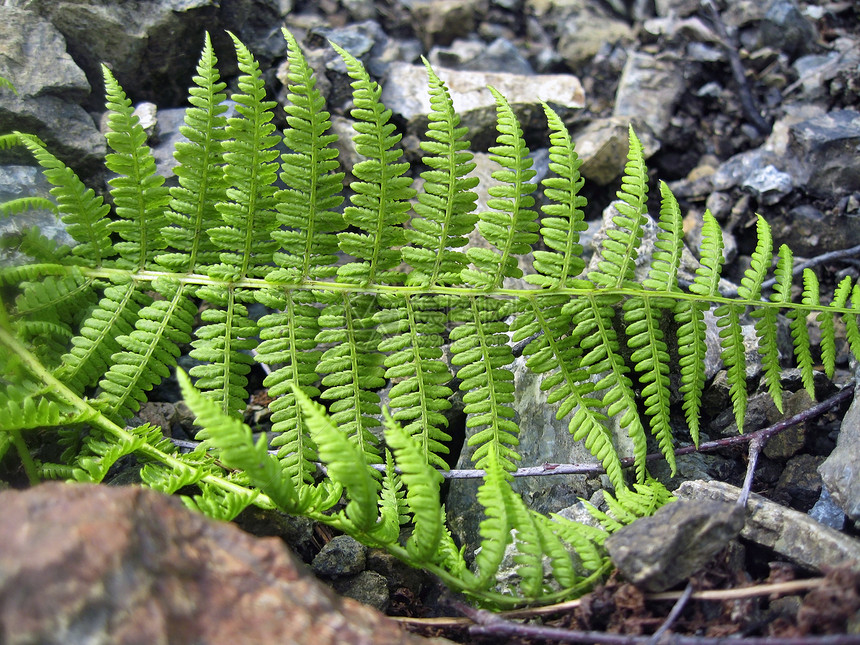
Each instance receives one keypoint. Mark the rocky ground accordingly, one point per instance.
(743, 107)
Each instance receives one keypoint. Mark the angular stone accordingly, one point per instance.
(583, 32)
(33, 57)
(405, 93)
(439, 22)
(827, 146)
(791, 534)
(649, 88)
(660, 551)
(94, 564)
(841, 470)
(341, 556)
(602, 147)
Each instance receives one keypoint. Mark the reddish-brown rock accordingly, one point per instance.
(94, 564)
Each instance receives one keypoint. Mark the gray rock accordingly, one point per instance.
(405, 93)
(341, 556)
(649, 88)
(439, 22)
(827, 511)
(49, 83)
(809, 232)
(660, 551)
(367, 587)
(501, 55)
(137, 45)
(583, 32)
(736, 170)
(791, 534)
(841, 471)
(603, 144)
(786, 29)
(87, 564)
(769, 185)
(827, 146)
(799, 485)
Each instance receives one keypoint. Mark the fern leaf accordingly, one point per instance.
(83, 213)
(288, 338)
(444, 211)
(584, 539)
(707, 280)
(236, 449)
(220, 504)
(202, 184)
(650, 359)
(480, 346)
(393, 512)
(563, 215)
(346, 465)
(149, 351)
(618, 252)
(766, 327)
(92, 350)
(248, 220)
(138, 193)
(495, 528)
(381, 194)
(307, 207)
(852, 322)
(510, 227)
(412, 329)
(24, 204)
(800, 333)
(31, 413)
(422, 492)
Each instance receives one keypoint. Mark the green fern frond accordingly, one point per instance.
(800, 332)
(444, 212)
(138, 193)
(346, 466)
(495, 528)
(564, 215)
(192, 210)
(288, 338)
(619, 249)
(480, 346)
(24, 204)
(422, 492)
(307, 207)
(351, 368)
(510, 227)
(5, 83)
(84, 214)
(219, 504)
(30, 413)
(235, 447)
(381, 194)
(149, 351)
(92, 350)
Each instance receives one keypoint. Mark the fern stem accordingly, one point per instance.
(58, 388)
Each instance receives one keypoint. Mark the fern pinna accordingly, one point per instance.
(363, 298)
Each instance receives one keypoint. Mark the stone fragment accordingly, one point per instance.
(826, 147)
(791, 534)
(367, 587)
(841, 471)
(602, 147)
(87, 564)
(769, 184)
(341, 556)
(583, 32)
(786, 29)
(799, 485)
(658, 552)
(405, 93)
(827, 511)
(48, 84)
(439, 22)
(649, 88)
